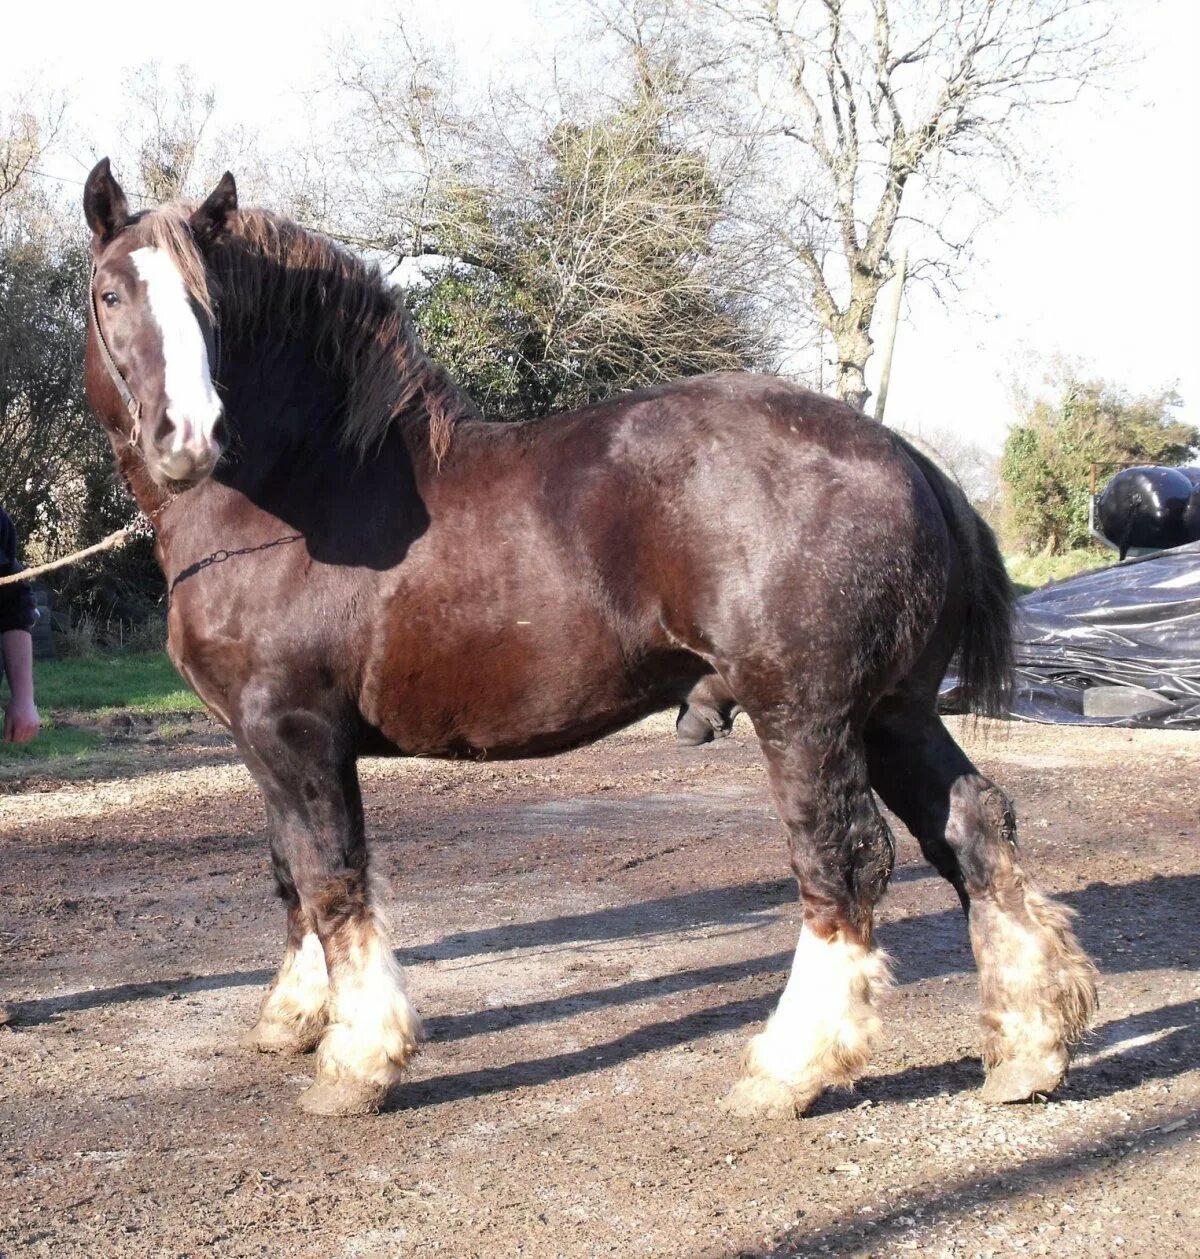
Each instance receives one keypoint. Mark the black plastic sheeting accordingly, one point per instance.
(1116, 646)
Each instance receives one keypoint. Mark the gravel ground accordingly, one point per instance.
(591, 939)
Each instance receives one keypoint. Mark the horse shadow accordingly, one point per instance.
(961, 1197)
(1140, 926)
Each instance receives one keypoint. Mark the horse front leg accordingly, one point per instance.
(373, 1029)
(295, 1009)
(367, 1029)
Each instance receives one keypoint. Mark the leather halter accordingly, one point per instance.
(212, 344)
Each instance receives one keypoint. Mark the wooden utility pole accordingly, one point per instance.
(893, 320)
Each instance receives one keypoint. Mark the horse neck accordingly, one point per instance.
(289, 466)
(287, 408)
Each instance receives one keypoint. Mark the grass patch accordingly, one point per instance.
(138, 682)
(77, 696)
(54, 743)
(1029, 572)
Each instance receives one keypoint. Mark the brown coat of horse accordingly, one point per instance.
(358, 564)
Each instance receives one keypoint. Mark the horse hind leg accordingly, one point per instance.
(826, 1023)
(1037, 985)
(707, 713)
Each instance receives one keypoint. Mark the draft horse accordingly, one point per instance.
(358, 564)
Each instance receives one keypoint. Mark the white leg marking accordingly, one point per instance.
(294, 1011)
(373, 1029)
(821, 1032)
(1038, 989)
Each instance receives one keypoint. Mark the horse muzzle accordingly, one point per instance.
(183, 453)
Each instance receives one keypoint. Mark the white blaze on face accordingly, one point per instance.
(192, 403)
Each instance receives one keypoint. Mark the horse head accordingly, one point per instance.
(154, 336)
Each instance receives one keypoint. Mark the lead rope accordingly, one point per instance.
(143, 526)
(116, 539)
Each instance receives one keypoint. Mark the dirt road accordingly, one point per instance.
(591, 940)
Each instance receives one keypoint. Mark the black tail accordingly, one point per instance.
(985, 646)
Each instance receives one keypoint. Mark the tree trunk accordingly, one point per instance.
(851, 331)
(854, 347)
(852, 385)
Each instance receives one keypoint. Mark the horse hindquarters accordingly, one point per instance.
(1037, 986)
(365, 1025)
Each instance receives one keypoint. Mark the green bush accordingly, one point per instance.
(1047, 462)
(1030, 572)
(595, 272)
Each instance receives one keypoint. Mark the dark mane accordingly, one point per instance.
(269, 271)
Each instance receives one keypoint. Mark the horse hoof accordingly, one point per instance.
(692, 730)
(1020, 1080)
(342, 1097)
(761, 1097)
(271, 1038)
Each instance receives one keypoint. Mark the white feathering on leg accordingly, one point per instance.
(293, 1012)
(823, 1029)
(1038, 989)
(373, 1029)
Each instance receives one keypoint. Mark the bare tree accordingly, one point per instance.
(173, 116)
(896, 116)
(175, 146)
(405, 132)
(29, 125)
(570, 233)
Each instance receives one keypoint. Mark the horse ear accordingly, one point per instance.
(104, 204)
(210, 219)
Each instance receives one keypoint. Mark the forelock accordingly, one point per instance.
(167, 228)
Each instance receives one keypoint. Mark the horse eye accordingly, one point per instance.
(109, 299)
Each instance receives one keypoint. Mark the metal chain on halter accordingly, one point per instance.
(219, 557)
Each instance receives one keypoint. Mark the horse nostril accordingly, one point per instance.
(166, 431)
(221, 433)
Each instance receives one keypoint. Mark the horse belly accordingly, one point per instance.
(523, 688)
